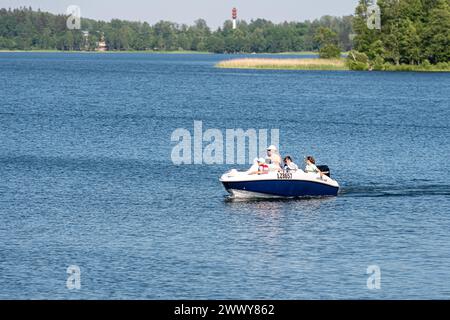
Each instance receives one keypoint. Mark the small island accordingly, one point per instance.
(284, 64)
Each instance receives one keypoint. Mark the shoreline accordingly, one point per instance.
(292, 64)
(296, 53)
(106, 52)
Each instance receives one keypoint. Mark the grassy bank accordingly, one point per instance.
(284, 64)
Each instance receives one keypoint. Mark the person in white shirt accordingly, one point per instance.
(273, 159)
(311, 166)
(289, 165)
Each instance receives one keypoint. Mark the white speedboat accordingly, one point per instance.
(274, 184)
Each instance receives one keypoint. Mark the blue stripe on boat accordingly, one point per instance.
(284, 188)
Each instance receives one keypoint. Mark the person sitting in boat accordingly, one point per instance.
(311, 166)
(254, 168)
(273, 159)
(259, 167)
(289, 165)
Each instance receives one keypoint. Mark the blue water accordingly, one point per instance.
(86, 179)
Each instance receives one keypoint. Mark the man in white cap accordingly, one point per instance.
(273, 158)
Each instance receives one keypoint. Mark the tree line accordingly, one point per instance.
(26, 29)
(413, 32)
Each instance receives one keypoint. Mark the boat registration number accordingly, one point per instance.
(284, 175)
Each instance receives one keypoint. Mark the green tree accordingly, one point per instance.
(412, 31)
(68, 41)
(364, 36)
(215, 44)
(357, 61)
(437, 33)
(327, 41)
(409, 43)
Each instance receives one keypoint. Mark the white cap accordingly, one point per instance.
(262, 160)
(272, 148)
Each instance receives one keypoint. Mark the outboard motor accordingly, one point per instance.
(325, 170)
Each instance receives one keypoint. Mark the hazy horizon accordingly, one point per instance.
(215, 13)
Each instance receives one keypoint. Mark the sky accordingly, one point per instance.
(215, 12)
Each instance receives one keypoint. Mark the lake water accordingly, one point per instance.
(86, 179)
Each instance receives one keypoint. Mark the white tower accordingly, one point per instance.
(234, 17)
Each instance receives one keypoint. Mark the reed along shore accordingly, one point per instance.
(284, 64)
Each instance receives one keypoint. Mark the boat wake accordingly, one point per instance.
(395, 191)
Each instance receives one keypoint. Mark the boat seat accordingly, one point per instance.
(325, 170)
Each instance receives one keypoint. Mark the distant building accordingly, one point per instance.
(102, 44)
(234, 17)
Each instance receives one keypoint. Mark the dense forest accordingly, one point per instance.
(413, 32)
(25, 29)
